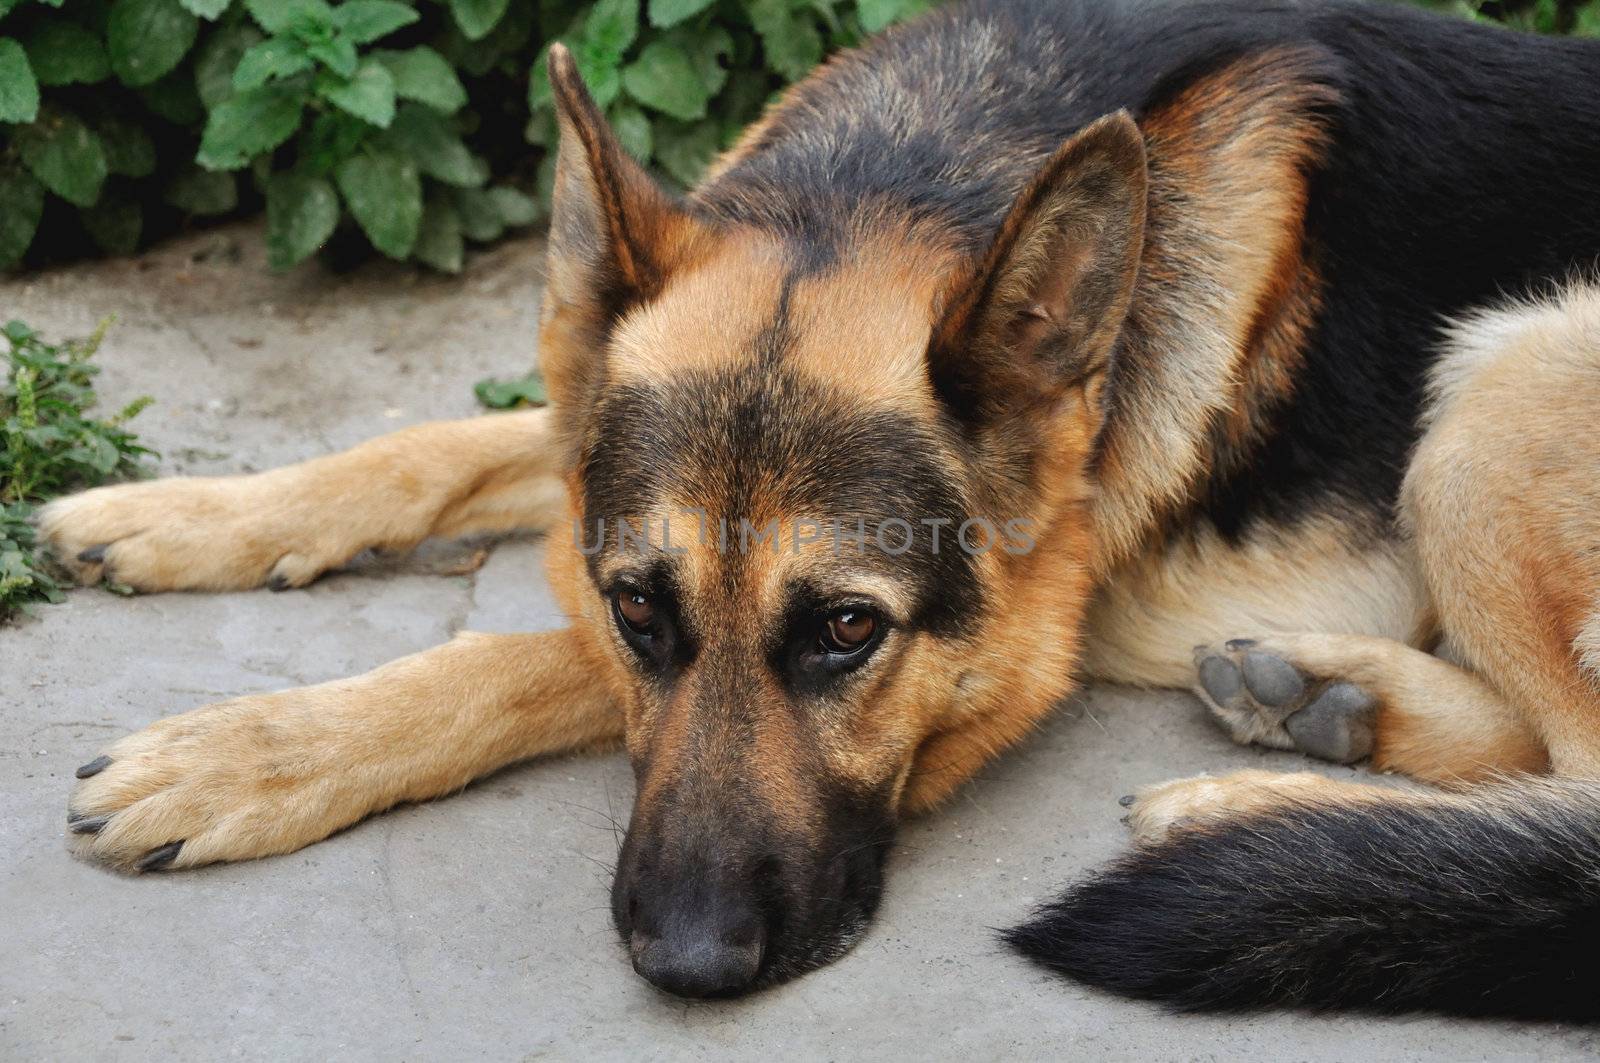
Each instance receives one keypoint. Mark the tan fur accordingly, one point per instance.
(290, 525)
(273, 772)
(1201, 801)
(1219, 282)
(1505, 508)
(1150, 612)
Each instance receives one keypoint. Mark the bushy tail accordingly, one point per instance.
(1482, 907)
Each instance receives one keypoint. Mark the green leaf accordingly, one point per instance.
(24, 200)
(128, 148)
(19, 92)
(301, 214)
(429, 140)
(686, 151)
(790, 42)
(664, 78)
(364, 21)
(384, 194)
(477, 17)
(480, 217)
(422, 74)
(369, 95)
(507, 394)
(334, 137)
(611, 27)
(632, 127)
(281, 16)
(540, 96)
(198, 191)
(65, 155)
(664, 13)
(514, 208)
(114, 223)
(65, 53)
(708, 48)
(338, 54)
(147, 38)
(217, 58)
(174, 98)
(439, 241)
(211, 10)
(275, 57)
(250, 123)
(878, 14)
(601, 72)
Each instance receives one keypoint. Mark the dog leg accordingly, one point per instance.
(1345, 698)
(285, 527)
(1206, 800)
(271, 773)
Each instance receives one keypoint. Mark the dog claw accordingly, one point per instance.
(94, 554)
(94, 767)
(156, 859)
(82, 824)
(1127, 800)
(278, 583)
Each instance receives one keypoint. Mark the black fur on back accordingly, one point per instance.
(1487, 908)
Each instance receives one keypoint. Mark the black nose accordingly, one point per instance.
(713, 950)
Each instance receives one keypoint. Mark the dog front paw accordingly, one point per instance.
(223, 533)
(252, 777)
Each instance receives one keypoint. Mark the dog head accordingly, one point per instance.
(830, 541)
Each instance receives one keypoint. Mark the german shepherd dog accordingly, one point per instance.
(1246, 346)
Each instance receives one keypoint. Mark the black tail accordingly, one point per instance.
(1484, 908)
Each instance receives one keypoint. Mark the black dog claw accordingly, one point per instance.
(278, 583)
(156, 859)
(94, 767)
(78, 823)
(94, 555)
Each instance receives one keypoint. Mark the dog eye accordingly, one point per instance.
(848, 630)
(636, 611)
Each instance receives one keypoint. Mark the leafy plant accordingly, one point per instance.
(406, 121)
(50, 445)
(512, 394)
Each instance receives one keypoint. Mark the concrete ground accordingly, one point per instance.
(476, 927)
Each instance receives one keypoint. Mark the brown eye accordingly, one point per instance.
(848, 630)
(636, 612)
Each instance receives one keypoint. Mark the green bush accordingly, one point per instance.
(408, 121)
(405, 124)
(49, 445)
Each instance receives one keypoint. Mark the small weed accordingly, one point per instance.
(511, 394)
(50, 445)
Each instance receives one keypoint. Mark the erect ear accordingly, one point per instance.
(1043, 308)
(615, 236)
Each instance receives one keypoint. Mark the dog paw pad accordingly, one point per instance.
(1221, 679)
(1337, 725)
(1273, 681)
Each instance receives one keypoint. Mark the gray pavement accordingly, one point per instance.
(476, 927)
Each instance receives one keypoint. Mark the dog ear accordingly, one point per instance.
(615, 236)
(1042, 309)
